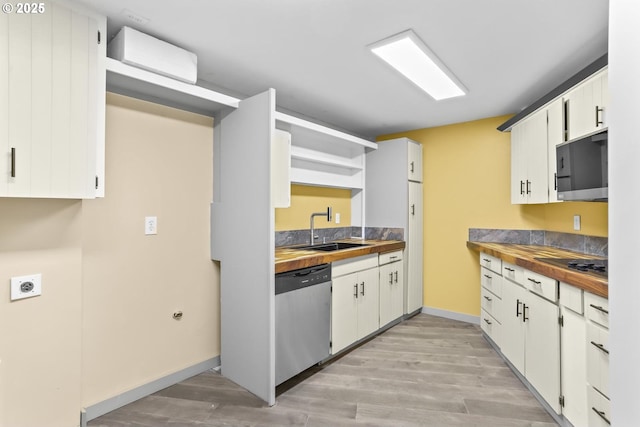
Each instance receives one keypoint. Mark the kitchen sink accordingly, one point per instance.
(330, 247)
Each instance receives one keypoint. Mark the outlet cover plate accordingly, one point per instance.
(26, 286)
(150, 225)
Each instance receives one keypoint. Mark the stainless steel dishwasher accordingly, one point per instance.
(303, 318)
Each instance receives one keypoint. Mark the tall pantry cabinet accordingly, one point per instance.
(393, 199)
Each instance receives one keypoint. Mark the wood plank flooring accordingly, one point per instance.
(426, 371)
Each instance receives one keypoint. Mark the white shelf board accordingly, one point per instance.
(301, 153)
(339, 136)
(138, 83)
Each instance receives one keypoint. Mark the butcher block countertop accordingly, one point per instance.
(289, 258)
(525, 256)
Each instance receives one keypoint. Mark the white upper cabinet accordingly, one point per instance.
(587, 106)
(415, 162)
(52, 103)
(555, 132)
(529, 158)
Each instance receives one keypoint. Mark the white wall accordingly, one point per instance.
(624, 210)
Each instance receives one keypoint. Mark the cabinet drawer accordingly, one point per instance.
(491, 281)
(491, 304)
(598, 357)
(351, 265)
(388, 257)
(491, 327)
(599, 408)
(541, 285)
(513, 273)
(490, 262)
(597, 309)
(571, 297)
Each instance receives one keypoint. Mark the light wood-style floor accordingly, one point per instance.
(426, 371)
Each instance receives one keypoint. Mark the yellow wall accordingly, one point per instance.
(467, 185)
(306, 200)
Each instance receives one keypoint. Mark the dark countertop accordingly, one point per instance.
(525, 256)
(288, 258)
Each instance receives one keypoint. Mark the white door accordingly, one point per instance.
(512, 329)
(368, 302)
(573, 368)
(414, 171)
(344, 312)
(542, 348)
(537, 187)
(414, 250)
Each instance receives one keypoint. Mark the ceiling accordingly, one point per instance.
(507, 53)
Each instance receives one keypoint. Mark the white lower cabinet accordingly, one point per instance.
(573, 371)
(354, 300)
(531, 339)
(391, 287)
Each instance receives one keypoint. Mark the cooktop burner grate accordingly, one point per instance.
(596, 266)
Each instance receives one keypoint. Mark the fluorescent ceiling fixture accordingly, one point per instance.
(409, 55)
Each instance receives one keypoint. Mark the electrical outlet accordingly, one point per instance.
(576, 222)
(26, 286)
(150, 225)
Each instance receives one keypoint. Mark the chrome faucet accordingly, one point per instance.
(327, 214)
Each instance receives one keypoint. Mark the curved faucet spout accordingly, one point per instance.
(328, 214)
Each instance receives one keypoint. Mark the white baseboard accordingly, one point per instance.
(462, 317)
(108, 405)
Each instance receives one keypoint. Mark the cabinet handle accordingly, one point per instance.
(534, 281)
(524, 313)
(486, 260)
(412, 163)
(555, 181)
(487, 298)
(13, 162)
(355, 289)
(522, 188)
(393, 257)
(413, 209)
(488, 277)
(391, 278)
(487, 321)
(396, 276)
(518, 308)
(528, 187)
(510, 269)
(598, 120)
(601, 414)
(362, 292)
(600, 347)
(599, 308)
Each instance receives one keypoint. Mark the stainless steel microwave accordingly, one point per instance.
(582, 168)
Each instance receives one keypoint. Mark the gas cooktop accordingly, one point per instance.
(596, 266)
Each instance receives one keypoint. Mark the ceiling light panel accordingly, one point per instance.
(410, 56)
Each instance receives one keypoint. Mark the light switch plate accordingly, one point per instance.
(150, 225)
(576, 222)
(26, 286)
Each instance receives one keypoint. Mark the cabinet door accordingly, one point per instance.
(555, 133)
(587, 105)
(512, 340)
(518, 165)
(414, 250)
(344, 312)
(542, 348)
(397, 292)
(573, 368)
(50, 101)
(414, 171)
(387, 289)
(368, 302)
(537, 153)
